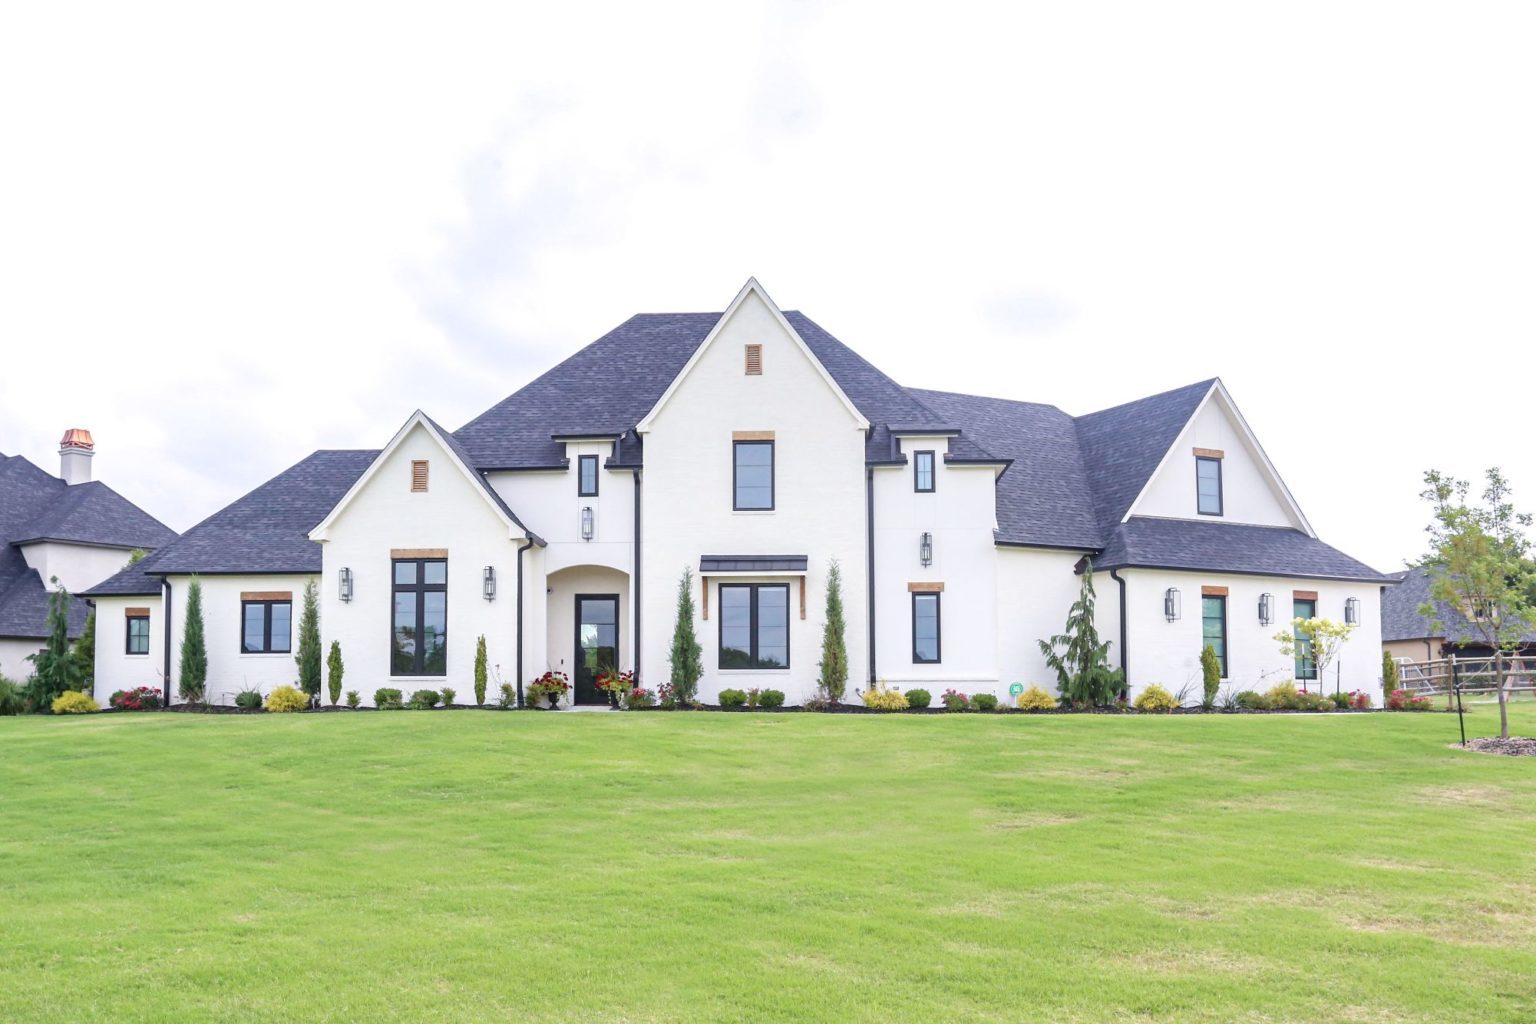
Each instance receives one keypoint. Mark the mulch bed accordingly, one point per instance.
(1515, 746)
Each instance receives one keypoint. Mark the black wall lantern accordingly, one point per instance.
(490, 583)
(925, 550)
(1352, 611)
(1171, 604)
(1266, 609)
(586, 522)
(344, 584)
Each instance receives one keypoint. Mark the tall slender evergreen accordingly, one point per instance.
(193, 680)
(834, 641)
(480, 670)
(1077, 655)
(308, 656)
(334, 670)
(687, 656)
(55, 667)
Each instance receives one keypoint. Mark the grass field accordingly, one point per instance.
(706, 867)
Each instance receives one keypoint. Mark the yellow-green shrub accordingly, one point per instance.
(1284, 696)
(1036, 699)
(884, 698)
(1155, 698)
(73, 702)
(286, 698)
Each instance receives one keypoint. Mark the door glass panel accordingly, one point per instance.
(403, 648)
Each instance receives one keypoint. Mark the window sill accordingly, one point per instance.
(753, 511)
(266, 654)
(750, 671)
(412, 679)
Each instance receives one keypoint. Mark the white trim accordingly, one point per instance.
(1230, 407)
(418, 418)
(751, 287)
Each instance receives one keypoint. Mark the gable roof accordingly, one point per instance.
(1401, 620)
(1183, 544)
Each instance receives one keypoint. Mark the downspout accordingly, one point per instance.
(528, 543)
(166, 606)
(869, 561)
(634, 580)
(1114, 574)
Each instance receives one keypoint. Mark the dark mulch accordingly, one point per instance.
(1515, 746)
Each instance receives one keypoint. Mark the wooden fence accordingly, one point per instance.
(1473, 674)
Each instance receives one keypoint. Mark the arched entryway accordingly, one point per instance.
(590, 628)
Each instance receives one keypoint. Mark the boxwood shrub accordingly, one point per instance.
(733, 698)
(919, 698)
(985, 701)
(771, 698)
(421, 700)
(387, 698)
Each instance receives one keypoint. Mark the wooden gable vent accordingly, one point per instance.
(754, 360)
(418, 474)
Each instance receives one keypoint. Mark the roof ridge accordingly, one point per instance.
(1206, 384)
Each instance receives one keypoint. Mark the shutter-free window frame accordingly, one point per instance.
(585, 463)
(937, 597)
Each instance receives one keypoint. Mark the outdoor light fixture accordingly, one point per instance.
(1352, 611)
(490, 583)
(586, 522)
(344, 584)
(1266, 609)
(925, 550)
(1171, 606)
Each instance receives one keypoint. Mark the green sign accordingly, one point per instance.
(1015, 689)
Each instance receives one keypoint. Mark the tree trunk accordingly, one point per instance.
(1498, 668)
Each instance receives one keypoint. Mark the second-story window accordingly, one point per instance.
(753, 475)
(922, 472)
(586, 472)
(1208, 485)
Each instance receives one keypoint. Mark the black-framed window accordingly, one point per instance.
(926, 629)
(752, 475)
(137, 638)
(419, 623)
(586, 476)
(922, 472)
(1306, 668)
(1208, 485)
(1213, 619)
(754, 625)
(266, 627)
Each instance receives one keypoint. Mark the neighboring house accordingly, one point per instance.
(753, 448)
(1406, 634)
(67, 527)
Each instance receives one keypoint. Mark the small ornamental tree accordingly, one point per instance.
(85, 652)
(1389, 675)
(193, 679)
(833, 681)
(480, 670)
(1479, 564)
(1077, 656)
(687, 656)
(308, 656)
(334, 671)
(1316, 640)
(56, 668)
(1210, 675)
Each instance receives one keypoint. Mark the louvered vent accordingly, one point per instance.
(754, 360)
(418, 474)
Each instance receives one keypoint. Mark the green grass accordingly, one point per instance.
(652, 867)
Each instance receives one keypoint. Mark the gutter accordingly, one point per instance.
(869, 561)
(166, 612)
(527, 544)
(1114, 574)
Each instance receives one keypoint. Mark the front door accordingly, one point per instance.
(597, 644)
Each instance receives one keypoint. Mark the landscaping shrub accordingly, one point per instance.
(985, 701)
(353, 699)
(771, 698)
(1402, 700)
(448, 693)
(508, 698)
(918, 698)
(248, 699)
(480, 673)
(640, 697)
(1210, 675)
(1315, 702)
(1389, 674)
(421, 700)
(954, 700)
(687, 655)
(1360, 700)
(1284, 697)
(140, 698)
(1036, 699)
(833, 679)
(73, 702)
(10, 697)
(732, 698)
(1340, 700)
(287, 698)
(882, 698)
(335, 671)
(1252, 700)
(387, 699)
(194, 648)
(1155, 698)
(308, 654)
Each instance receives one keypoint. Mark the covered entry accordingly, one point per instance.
(589, 628)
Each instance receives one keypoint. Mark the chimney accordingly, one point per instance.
(75, 453)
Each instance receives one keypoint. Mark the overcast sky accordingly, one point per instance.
(227, 240)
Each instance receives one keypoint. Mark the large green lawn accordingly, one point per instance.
(702, 867)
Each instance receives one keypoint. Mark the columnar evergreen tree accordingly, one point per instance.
(85, 652)
(334, 670)
(687, 656)
(194, 648)
(1077, 656)
(56, 668)
(308, 656)
(1389, 674)
(1210, 675)
(480, 670)
(833, 681)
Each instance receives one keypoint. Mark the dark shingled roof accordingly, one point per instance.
(1229, 547)
(131, 581)
(752, 563)
(37, 506)
(1122, 446)
(1400, 618)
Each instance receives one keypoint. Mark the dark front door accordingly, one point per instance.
(597, 644)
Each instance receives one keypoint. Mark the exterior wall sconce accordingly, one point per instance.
(1266, 609)
(344, 584)
(925, 550)
(586, 522)
(490, 583)
(1172, 607)
(1352, 611)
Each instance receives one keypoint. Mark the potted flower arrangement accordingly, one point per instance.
(616, 683)
(553, 685)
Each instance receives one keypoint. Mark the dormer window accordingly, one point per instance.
(586, 474)
(922, 472)
(1208, 484)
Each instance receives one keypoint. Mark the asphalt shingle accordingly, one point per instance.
(1229, 548)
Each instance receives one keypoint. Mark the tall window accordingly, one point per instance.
(922, 471)
(753, 474)
(1306, 668)
(267, 626)
(419, 640)
(138, 634)
(754, 625)
(1208, 485)
(925, 629)
(1213, 612)
(586, 471)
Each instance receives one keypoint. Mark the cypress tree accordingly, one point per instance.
(309, 642)
(194, 648)
(834, 643)
(1210, 674)
(85, 653)
(57, 669)
(480, 673)
(687, 656)
(334, 671)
